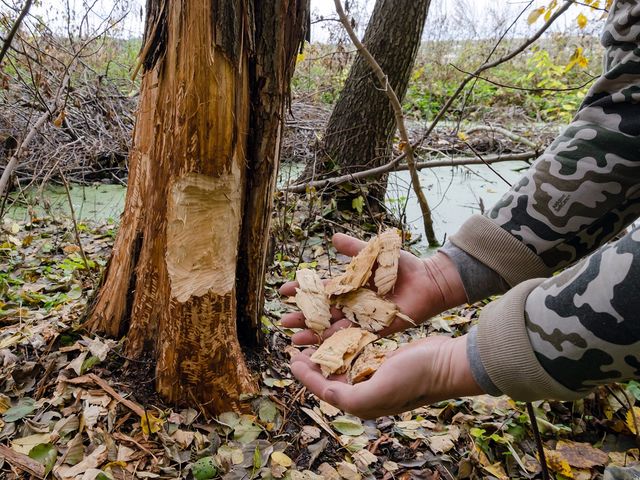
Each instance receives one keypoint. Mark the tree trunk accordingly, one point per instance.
(188, 261)
(362, 124)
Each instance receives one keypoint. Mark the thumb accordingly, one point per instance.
(347, 245)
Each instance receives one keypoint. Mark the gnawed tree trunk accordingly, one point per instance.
(362, 124)
(188, 261)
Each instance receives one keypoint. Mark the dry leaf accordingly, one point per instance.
(358, 271)
(557, 462)
(97, 458)
(387, 271)
(367, 363)
(368, 310)
(348, 471)
(328, 472)
(629, 419)
(581, 455)
(338, 351)
(312, 300)
(363, 458)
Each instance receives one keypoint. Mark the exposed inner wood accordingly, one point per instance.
(368, 362)
(368, 310)
(200, 208)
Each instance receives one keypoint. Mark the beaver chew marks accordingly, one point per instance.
(338, 351)
(358, 271)
(200, 210)
(312, 300)
(387, 271)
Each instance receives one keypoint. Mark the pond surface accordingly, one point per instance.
(453, 194)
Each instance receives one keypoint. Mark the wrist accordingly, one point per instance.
(442, 272)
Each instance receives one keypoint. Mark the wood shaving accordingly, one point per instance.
(387, 271)
(358, 271)
(312, 300)
(368, 310)
(367, 363)
(338, 351)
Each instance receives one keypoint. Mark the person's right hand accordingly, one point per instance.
(424, 288)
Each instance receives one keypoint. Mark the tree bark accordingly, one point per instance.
(190, 248)
(362, 124)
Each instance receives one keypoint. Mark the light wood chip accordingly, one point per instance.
(312, 300)
(368, 310)
(358, 271)
(367, 363)
(387, 271)
(338, 351)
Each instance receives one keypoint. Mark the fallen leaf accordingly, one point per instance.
(24, 407)
(281, 459)
(557, 462)
(46, 454)
(94, 460)
(581, 455)
(150, 423)
(348, 471)
(348, 425)
(25, 444)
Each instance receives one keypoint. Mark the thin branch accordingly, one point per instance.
(507, 133)
(73, 219)
(14, 29)
(396, 167)
(538, 438)
(397, 110)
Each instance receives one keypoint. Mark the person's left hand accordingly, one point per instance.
(423, 372)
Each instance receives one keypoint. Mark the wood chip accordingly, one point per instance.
(388, 258)
(368, 310)
(312, 300)
(338, 351)
(367, 363)
(358, 271)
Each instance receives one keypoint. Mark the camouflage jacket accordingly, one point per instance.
(560, 336)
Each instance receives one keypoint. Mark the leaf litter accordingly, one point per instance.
(67, 410)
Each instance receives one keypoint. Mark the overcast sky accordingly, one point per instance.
(476, 18)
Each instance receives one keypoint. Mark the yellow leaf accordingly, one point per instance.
(150, 423)
(59, 119)
(535, 15)
(552, 6)
(582, 20)
(496, 470)
(630, 423)
(462, 136)
(281, 459)
(558, 463)
(300, 58)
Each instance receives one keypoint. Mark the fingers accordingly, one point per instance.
(288, 289)
(347, 245)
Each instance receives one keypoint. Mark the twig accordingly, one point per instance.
(397, 110)
(73, 219)
(22, 461)
(539, 445)
(452, 162)
(507, 133)
(14, 29)
(134, 407)
(475, 152)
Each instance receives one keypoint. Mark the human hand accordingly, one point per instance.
(422, 372)
(424, 288)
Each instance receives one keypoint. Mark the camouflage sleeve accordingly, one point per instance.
(561, 337)
(585, 188)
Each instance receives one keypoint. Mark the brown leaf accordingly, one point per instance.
(581, 455)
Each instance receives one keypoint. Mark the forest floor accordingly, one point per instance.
(72, 404)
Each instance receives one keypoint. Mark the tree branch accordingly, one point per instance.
(14, 29)
(397, 110)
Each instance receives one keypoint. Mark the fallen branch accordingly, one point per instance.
(22, 461)
(404, 136)
(507, 133)
(396, 167)
(13, 162)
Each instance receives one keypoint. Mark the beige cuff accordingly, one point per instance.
(506, 352)
(499, 250)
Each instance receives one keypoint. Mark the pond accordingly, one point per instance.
(453, 193)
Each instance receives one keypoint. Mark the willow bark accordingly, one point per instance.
(361, 127)
(190, 252)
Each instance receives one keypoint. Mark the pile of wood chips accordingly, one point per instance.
(351, 351)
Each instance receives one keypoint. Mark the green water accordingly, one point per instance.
(454, 194)
(99, 203)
